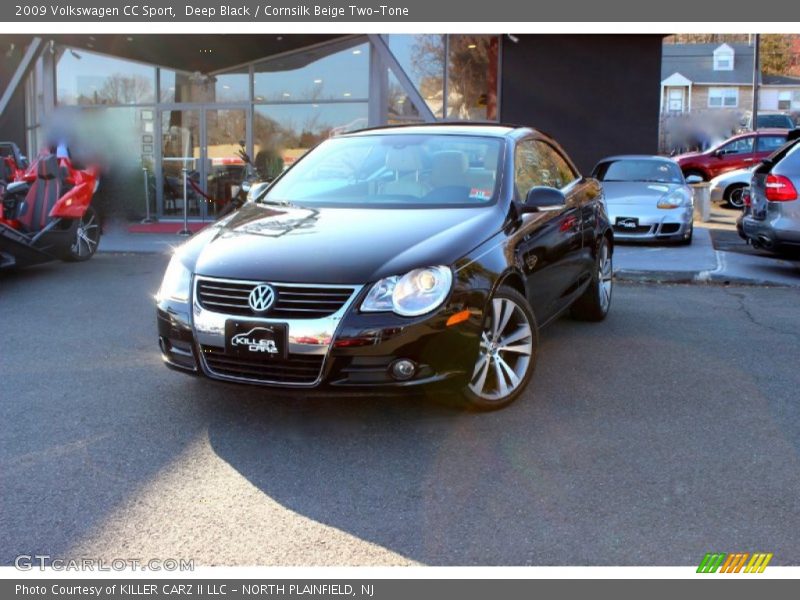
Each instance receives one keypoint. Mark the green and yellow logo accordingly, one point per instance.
(743, 562)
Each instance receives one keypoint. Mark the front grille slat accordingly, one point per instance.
(292, 301)
(296, 369)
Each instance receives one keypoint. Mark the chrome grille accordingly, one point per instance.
(297, 369)
(293, 301)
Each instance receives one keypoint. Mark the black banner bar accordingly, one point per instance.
(730, 11)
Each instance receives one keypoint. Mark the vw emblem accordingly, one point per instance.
(261, 298)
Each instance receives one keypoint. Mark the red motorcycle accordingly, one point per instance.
(45, 211)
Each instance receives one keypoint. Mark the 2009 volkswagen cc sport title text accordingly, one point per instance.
(394, 258)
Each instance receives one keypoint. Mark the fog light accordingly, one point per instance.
(403, 369)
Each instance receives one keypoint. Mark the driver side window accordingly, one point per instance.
(740, 146)
(536, 163)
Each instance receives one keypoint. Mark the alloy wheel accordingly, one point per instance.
(736, 198)
(86, 236)
(604, 277)
(505, 354)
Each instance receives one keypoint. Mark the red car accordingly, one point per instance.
(738, 152)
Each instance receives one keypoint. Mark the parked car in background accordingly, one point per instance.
(647, 198)
(730, 187)
(394, 258)
(739, 152)
(769, 120)
(771, 219)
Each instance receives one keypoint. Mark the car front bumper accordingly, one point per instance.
(651, 224)
(351, 351)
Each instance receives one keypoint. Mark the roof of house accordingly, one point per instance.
(780, 80)
(696, 62)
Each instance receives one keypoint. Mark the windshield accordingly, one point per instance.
(654, 171)
(394, 170)
(777, 121)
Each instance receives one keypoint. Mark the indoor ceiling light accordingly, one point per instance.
(472, 46)
(318, 81)
(347, 94)
(356, 51)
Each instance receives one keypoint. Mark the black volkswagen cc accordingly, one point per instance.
(394, 258)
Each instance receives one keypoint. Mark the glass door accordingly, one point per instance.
(205, 141)
(181, 148)
(225, 132)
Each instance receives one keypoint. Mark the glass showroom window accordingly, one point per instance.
(282, 133)
(422, 58)
(179, 86)
(472, 77)
(723, 97)
(329, 72)
(399, 107)
(86, 78)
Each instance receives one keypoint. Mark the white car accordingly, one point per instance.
(729, 187)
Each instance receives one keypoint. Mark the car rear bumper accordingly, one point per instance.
(778, 231)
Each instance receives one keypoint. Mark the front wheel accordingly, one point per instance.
(594, 303)
(87, 237)
(507, 352)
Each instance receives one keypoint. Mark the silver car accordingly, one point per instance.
(772, 218)
(647, 198)
(730, 187)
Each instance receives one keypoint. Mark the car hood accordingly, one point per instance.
(686, 156)
(739, 175)
(632, 192)
(294, 244)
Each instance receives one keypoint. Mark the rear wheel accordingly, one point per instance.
(87, 237)
(507, 352)
(594, 303)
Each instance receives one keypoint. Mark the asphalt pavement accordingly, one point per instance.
(670, 430)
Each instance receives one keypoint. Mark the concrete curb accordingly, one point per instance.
(696, 278)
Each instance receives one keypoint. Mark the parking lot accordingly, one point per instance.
(668, 431)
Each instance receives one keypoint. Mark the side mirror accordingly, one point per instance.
(693, 179)
(541, 198)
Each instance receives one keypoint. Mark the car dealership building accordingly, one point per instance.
(154, 108)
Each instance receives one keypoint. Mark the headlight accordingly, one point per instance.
(256, 189)
(415, 293)
(674, 200)
(176, 282)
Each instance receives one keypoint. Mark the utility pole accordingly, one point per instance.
(756, 78)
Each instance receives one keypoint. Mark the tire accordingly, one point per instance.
(594, 303)
(503, 367)
(87, 238)
(735, 197)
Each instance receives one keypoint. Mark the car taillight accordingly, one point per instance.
(747, 199)
(780, 189)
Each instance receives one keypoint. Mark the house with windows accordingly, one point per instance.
(715, 77)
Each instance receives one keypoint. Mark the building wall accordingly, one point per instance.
(12, 120)
(596, 94)
(769, 96)
(700, 98)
